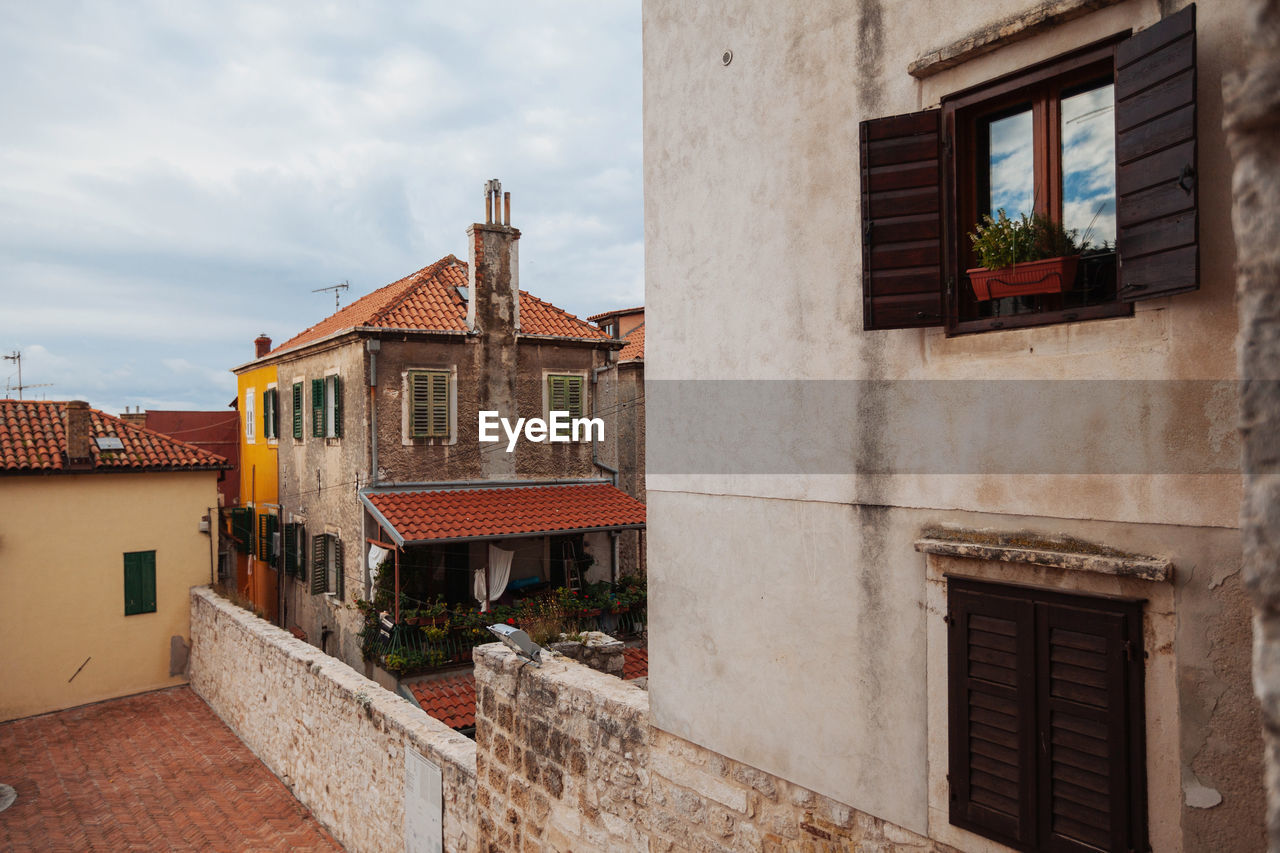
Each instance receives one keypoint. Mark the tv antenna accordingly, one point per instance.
(17, 357)
(335, 288)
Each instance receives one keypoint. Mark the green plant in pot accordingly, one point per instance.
(1022, 256)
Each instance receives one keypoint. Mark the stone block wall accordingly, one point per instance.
(333, 736)
(567, 760)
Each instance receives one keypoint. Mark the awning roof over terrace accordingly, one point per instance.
(416, 517)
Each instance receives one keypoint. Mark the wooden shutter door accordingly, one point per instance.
(1086, 775)
(991, 710)
(319, 563)
(1157, 215)
(297, 410)
(317, 408)
(902, 281)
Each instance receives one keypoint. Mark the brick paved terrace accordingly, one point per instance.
(157, 771)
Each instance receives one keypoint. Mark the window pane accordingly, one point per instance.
(1089, 165)
(1011, 165)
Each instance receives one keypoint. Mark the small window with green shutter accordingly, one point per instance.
(319, 563)
(242, 527)
(297, 411)
(292, 548)
(317, 408)
(429, 403)
(565, 394)
(271, 414)
(333, 407)
(139, 582)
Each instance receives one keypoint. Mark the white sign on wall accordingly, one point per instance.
(423, 804)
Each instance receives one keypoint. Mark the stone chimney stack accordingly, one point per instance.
(79, 427)
(261, 345)
(494, 275)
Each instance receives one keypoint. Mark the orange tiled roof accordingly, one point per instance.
(634, 350)
(33, 439)
(450, 699)
(428, 299)
(635, 663)
(615, 312)
(483, 513)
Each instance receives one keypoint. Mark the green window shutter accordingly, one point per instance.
(337, 406)
(339, 577)
(573, 396)
(297, 410)
(300, 558)
(275, 413)
(429, 404)
(266, 414)
(557, 394)
(317, 408)
(139, 582)
(289, 549)
(319, 563)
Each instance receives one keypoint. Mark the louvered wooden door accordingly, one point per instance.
(1045, 693)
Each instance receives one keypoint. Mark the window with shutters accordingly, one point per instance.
(271, 413)
(566, 392)
(326, 407)
(1102, 141)
(139, 582)
(250, 415)
(297, 411)
(326, 565)
(242, 527)
(292, 550)
(268, 525)
(430, 403)
(1045, 718)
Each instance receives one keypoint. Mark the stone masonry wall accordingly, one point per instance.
(567, 760)
(333, 736)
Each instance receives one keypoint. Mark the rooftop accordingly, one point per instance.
(156, 771)
(457, 514)
(634, 350)
(428, 300)
(33, 439)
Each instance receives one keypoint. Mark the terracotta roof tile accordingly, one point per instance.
(634, 350)
(479, 513)
(429, 300)
(635, 663)
(33, 439)
(615, 312)
(451, 699)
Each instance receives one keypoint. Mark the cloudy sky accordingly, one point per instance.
(176, 178)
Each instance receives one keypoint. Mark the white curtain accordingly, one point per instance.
(376, 556)
(499, 571)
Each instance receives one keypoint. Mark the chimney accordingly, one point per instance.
(79, 434)
(494, 275)
(138, 418)
(261, 345)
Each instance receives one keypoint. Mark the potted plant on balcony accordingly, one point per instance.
(1023, 256)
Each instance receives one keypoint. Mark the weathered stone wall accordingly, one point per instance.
(334, 737)
(566, 759)
(1252, 119)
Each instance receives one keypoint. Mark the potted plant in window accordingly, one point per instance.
(1027, 255)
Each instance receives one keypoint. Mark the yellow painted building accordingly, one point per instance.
(258, 399)
(103, 531)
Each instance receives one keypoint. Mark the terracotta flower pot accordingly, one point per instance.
(1051, 275)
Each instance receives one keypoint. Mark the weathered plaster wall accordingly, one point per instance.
(319, 479)
(751, 193)
(62, 592)
(337, 739)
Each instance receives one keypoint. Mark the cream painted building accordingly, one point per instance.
(968, 563)
(103, 531)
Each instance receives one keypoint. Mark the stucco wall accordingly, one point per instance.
(62, 545)
(752, 205)
(337, 739)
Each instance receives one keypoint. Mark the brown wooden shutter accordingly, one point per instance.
(902, 279)
(1085, 774)
(991, 705)
(1156, 181)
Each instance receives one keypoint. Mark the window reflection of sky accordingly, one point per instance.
(1088, 164)
(1011, 164)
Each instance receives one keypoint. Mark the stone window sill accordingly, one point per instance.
(1070, 554)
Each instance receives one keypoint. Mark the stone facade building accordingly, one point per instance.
(964, 562)
(379, 411)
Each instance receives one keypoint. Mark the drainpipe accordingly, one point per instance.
(373, 347)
